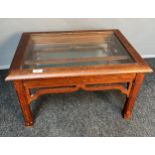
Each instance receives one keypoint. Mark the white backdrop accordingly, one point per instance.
(140, 32)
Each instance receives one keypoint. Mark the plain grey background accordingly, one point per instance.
(140, 32)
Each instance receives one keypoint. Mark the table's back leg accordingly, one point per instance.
(128, 107)
(25, 106)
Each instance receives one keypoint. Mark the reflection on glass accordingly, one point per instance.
(80, 51)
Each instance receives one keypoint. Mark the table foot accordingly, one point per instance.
(28, 124)
(126, 115)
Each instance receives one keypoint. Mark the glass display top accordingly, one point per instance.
(75, 50)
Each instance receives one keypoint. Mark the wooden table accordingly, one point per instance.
(60, 62)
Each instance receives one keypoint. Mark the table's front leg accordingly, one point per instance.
(128, 107)
(23, 99)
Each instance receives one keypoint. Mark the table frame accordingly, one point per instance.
(70, 79)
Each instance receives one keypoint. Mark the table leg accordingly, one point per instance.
(23, 99)
(129, 104)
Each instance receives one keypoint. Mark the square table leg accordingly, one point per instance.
(23, 99)
(129, 104)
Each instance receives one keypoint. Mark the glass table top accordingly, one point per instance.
(72, 50)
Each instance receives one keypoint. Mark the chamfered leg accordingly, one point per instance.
(129, 104)
(25, 106)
